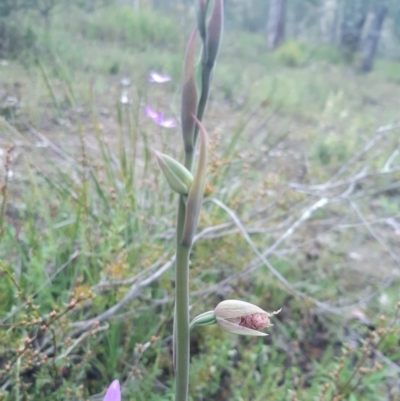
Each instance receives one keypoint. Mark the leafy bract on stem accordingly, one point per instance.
(189, 100)
(195, 197)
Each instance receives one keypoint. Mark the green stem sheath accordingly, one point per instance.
(206, 77)
(181, 324)
(189, 156)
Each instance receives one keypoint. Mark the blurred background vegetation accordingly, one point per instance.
(302, 207)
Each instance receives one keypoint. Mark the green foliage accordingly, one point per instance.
(16, 38)
(137, 29)
(8, 7)
(324, 53)
(114, 69)
(331, 150)
(388, 70)
(290, 54)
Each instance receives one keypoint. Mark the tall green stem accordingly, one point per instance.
(181, 324)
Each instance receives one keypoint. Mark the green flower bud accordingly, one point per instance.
(178, 176)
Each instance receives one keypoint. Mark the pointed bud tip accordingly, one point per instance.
(113, 392)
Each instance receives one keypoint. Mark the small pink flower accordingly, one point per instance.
(154, 115)
(158, 78)
(113, 392)
(168, 123)
(158, 118)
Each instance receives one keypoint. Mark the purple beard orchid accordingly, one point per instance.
(158, 118)
(158, 78)
(113, 392)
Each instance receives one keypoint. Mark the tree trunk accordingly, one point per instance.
(276, 23)
(328, 21)
(372, 39)
(354, 16)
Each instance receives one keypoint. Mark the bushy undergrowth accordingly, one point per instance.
(14, 39)
(124, 25)
(88, 223)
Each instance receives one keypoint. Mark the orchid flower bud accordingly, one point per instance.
(178, 176)
(114, 392)
(189, 95)
(214, 32)
(196, 193)
(243, 318)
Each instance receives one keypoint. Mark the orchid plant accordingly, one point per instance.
(235, 316)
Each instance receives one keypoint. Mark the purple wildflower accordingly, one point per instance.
(158, 118)
(154, 115)
(158, 78)
(114, 392)
(168, 123)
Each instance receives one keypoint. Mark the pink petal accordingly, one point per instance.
(168, 123)
(154, 115)
(114, 392)
(256, 321)
(159, 78)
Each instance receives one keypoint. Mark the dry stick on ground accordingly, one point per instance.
(134, 291)
(363, 174)
(380, 133)
(252, 266)
(262, 256)
(387, 169)
(54, 147)
(374, 234)
(79, 340)
(143, 271)
(390, 160)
